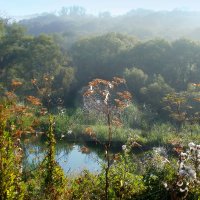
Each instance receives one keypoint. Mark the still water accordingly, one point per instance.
(69, 156)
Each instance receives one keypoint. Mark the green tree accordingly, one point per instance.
(136, 79)
(155, 91)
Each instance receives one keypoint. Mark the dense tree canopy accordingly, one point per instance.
(152, 68)
(24, 57)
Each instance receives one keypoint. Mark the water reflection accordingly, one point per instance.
(69, 157)
(76, 161)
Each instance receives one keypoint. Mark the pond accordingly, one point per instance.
(73, 158)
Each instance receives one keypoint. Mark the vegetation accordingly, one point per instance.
(74, 92)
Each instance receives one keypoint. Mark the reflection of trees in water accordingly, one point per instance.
(35, 151)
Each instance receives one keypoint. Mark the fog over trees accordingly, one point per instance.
(157, 52)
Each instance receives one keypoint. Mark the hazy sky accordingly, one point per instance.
(27, 7)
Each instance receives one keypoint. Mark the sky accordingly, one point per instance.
(115, 7)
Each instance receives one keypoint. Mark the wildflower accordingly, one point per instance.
(12, 127)
(192, 146)
(181, 165)
(189, 172)
(124, 147)
(179, 183)
(183, 156)
(106, 152)
(160, 151)
(98, 101)
(182, 172)
(69, 132)
(110, 85)
(165, 185)
(192, 174)
(184, 190)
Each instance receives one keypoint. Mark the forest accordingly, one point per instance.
(127, 87)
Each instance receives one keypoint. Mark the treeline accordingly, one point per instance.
(74, 22)
(152, 68)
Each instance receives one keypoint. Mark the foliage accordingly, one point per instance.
(11, 183)
(54, 179)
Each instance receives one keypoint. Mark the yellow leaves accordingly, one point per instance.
(33, 100)
(175, 98)
(121, 183)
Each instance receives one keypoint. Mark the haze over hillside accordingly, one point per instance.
(74, 22)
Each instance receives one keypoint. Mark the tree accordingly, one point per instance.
(155, 91)
(136, 79)
(97, 56)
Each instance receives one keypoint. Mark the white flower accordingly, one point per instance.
(165, 185)
(184, 190)
(160, 151)
(124, 147)
(183, 156)
(98, 101)
(192, 174)
(69, 132)
(189, 172)
(110, 85)
(192, 146)
(182, 172)
(179, 183)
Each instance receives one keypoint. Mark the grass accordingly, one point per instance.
(157, 134)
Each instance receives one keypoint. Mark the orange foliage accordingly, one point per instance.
(16, 83)
(84, 149)
(33, 100)
(89, 131)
